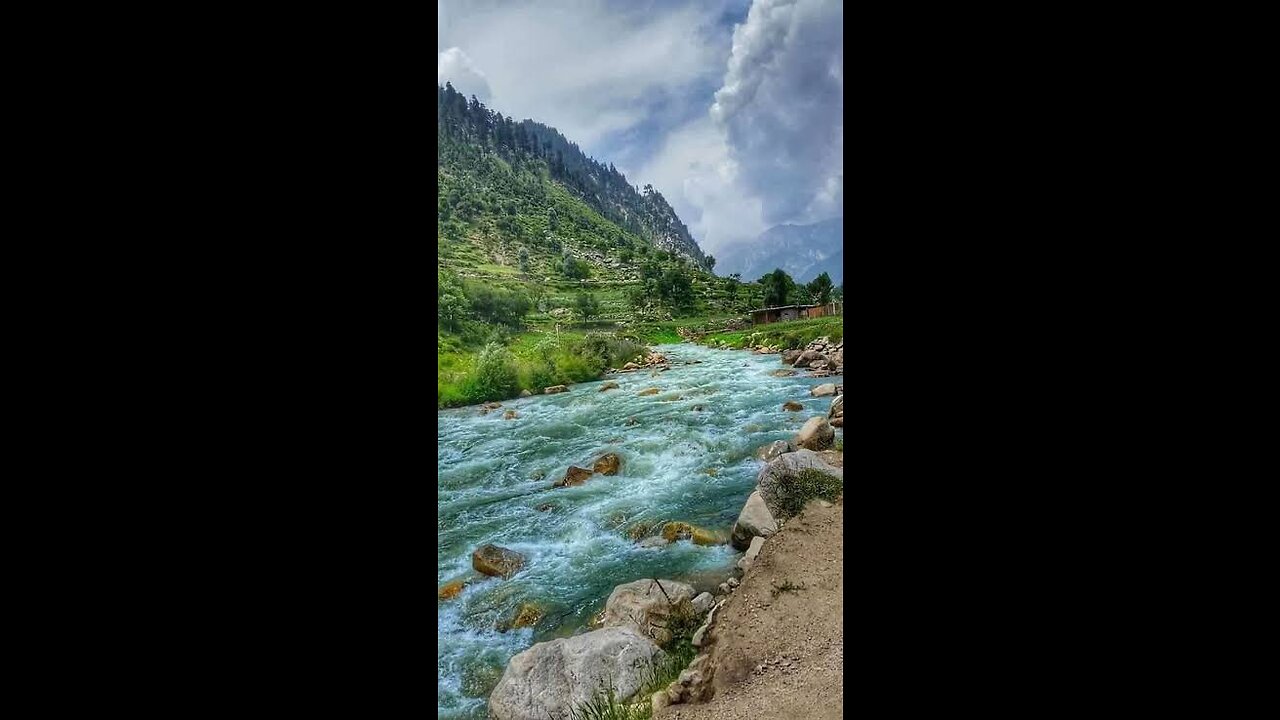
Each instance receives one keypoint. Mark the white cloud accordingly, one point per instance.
(455, 67)
(770, 149)
(782, 106)
(586, 68)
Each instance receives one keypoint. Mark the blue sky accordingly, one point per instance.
(732, 109)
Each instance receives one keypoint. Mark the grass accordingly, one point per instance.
(790, 335)
(809, 484)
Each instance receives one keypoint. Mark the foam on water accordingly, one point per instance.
(495, 472)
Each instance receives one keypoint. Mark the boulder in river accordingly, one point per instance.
(806, 357)
(674, 531)
(789, 356)
(497, 561)
(755, 520)
(783, 373)
(646, 605)
(607, 464)
(631, 366)
(816, 434)
(510, 415)
(573, 476)
(556, 389)
(553, 678)
(525, 393)
(611, 385)
(451, 589)
(792, 406)
(649, 391)
(526, 615)
(774, 449)
(791, 480)
(823, 390)
(837, 422)
(837, 407)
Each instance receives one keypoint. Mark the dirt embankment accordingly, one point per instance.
(777, 646)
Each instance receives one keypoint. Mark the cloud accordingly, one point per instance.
(731, 109)
(593, 70)
(782, 105)
(455, 67)
(769, 149)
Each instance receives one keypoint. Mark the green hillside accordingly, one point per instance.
(551, 266)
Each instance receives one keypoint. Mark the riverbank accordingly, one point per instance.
(777, 647)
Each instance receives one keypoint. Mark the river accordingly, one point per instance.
(677, 464)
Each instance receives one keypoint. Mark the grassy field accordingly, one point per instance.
(788, 335)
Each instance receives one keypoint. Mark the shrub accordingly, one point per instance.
(495, 376)
(809, 484)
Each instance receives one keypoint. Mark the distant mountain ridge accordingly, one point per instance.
(803, 251)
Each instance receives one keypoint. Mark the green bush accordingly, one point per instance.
(495, 375)
(809, 484)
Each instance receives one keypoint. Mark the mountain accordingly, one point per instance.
(471, 135)
(803, 251)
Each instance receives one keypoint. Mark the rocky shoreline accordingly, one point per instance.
(651, 625)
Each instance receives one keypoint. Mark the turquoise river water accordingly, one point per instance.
(493, 473)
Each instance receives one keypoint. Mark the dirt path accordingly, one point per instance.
(778, 643)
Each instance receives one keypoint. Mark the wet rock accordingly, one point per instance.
(526, 615)
(837, 422)
(792, 406)
(551, 679)
(611, 385)
(545, 507)
(607, 464)
(631, 421)
(497, 561)
(525, 393)
(510, 415)
(573, 476)
(631, 366)
(649, 391)
(674, 531)
(783, 373)
(451, 589)
(654, 542)
(774, 449)
(816, 434)
(556, 389)
(837, 407)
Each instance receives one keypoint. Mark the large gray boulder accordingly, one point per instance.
(837, 407)
(645, 606)
(782, 487)
(816, 434)
(552, 678)
(807, 357)
(754, 521)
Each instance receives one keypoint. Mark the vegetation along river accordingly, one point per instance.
(678, 463)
